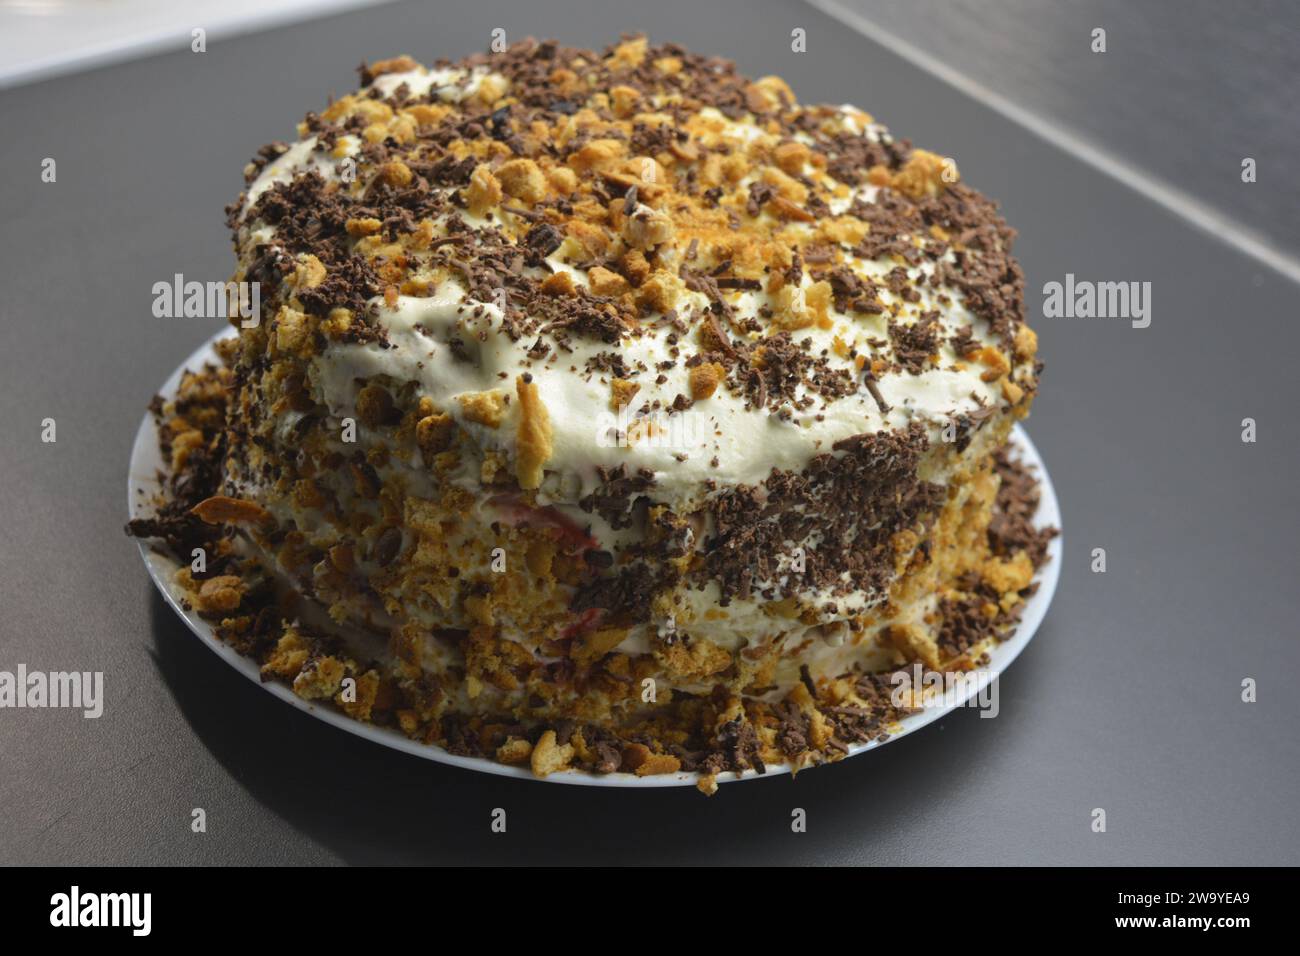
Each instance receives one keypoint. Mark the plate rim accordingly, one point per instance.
(146, 462)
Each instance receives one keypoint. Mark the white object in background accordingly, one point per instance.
(44, 38)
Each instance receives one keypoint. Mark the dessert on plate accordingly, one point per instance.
(626, 414)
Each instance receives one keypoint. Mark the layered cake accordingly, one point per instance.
(624, 414)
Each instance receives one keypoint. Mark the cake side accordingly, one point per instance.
(815, 721)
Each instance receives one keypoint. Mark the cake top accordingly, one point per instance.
(637, 266)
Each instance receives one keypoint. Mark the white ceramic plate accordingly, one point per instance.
(143, 484)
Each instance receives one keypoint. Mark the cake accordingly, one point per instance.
(609, 412)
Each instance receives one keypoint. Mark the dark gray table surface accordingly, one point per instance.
(1183, 92)
(1128, 699)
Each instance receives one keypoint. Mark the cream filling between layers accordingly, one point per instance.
(746, 442)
